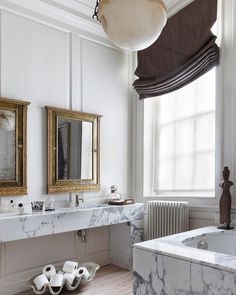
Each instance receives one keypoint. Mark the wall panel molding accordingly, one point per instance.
(43, 61)
(85, 8)
(37, 9)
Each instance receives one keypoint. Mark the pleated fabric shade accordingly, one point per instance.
(185, 50)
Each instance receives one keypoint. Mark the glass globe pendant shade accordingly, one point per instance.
(132, 24)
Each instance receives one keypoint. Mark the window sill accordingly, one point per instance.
(180, 196)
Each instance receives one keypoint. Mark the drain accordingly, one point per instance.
(202, 245)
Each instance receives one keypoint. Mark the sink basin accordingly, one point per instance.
(83, 207)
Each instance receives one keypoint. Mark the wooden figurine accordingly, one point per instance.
(225, 200)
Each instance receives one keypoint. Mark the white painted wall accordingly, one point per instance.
(48, 62)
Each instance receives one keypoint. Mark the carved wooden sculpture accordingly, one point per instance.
(225, 200)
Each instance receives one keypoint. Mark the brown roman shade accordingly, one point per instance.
(185, 50)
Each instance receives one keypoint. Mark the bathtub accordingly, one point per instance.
(198, 262)
(221, 242)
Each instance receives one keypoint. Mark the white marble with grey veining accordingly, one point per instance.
(158, 274)
(167, 266)
(122, 239)
(64, 220)
(173, 246)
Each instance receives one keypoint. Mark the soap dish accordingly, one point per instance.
(90, 266)
(121, 202)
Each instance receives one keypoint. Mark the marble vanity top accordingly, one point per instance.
(173, 246)
(28, 225)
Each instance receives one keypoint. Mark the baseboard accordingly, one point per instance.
(14, 289)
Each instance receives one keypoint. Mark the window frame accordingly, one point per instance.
(149, 186)
(174, 157)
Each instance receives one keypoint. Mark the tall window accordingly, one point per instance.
(179, 132)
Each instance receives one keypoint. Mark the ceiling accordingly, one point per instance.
(87, 6)
(173, 6)
(91, 3)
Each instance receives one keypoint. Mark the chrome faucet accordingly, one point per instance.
(74, 200)
(77, 199)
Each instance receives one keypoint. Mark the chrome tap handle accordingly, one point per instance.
(77, 199)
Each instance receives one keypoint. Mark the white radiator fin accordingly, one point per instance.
(167, 218)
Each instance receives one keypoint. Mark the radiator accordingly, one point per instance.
(167, 218)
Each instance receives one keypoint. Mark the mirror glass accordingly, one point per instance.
(74, 149)
(8, 145)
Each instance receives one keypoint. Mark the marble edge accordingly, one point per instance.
(173, 246)
(63, 211)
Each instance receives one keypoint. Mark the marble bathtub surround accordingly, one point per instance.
(172, 276)
(157, 265)
(173, 246)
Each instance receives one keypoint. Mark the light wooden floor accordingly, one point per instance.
(109, 280)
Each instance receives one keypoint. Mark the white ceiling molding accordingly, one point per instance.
(77, 13)
(173, 6)
(67, 16)
(86, 7)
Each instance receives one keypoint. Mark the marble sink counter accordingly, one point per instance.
(28, 225)
(173, 246)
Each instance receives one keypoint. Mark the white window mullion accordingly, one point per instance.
(194, 137)
(174, 151)
(156, 149)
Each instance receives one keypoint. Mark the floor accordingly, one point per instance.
(109, 280)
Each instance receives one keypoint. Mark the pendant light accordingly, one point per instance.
(131, 24)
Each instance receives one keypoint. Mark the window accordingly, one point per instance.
(179, 140)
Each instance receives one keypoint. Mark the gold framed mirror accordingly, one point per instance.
(73, 151)
(13, 147)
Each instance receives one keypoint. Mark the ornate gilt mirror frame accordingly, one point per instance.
(13, 147)
(60, 185)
